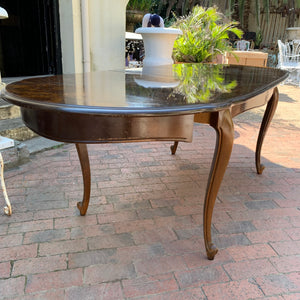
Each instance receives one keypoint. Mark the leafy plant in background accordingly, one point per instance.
(205, 35)
(258, 39)
(198, 82)
(135, 10)
(180, 7)
(140, 5)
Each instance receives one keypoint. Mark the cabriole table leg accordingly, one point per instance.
(86, 174)
(174, 148)
(268, 116)
(223, 125)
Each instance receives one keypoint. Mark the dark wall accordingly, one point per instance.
(30, 38)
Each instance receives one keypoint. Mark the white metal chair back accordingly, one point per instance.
(289, 59)
(242, 45)
(289, 55)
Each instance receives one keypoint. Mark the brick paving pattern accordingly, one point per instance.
(142, 236)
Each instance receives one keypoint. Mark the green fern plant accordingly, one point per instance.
(205, 35)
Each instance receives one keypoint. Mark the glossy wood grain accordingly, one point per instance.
(115, 92)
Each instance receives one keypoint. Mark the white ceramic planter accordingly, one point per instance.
(293, 33)
(157, 77)
(158, 44)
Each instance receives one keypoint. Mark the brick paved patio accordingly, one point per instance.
(142, 236)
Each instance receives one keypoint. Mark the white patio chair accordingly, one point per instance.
(242, 45)
(289, 59)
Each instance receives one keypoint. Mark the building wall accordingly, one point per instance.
(106, 34)
(71, 35)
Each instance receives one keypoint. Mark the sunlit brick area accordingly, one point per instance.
(142, 235)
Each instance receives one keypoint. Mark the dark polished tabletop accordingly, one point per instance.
(181, 88)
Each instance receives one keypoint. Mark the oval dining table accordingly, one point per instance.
(151, 104)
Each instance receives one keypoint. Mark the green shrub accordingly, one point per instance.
(142, 5)
(205, 35)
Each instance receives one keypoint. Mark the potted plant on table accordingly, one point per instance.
(205, 36)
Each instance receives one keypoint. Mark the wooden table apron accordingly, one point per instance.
(120, 128)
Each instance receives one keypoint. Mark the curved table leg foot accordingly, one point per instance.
(223, 125)
(86, 174)
(211, 251)
(268, 116)
(174, 148)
